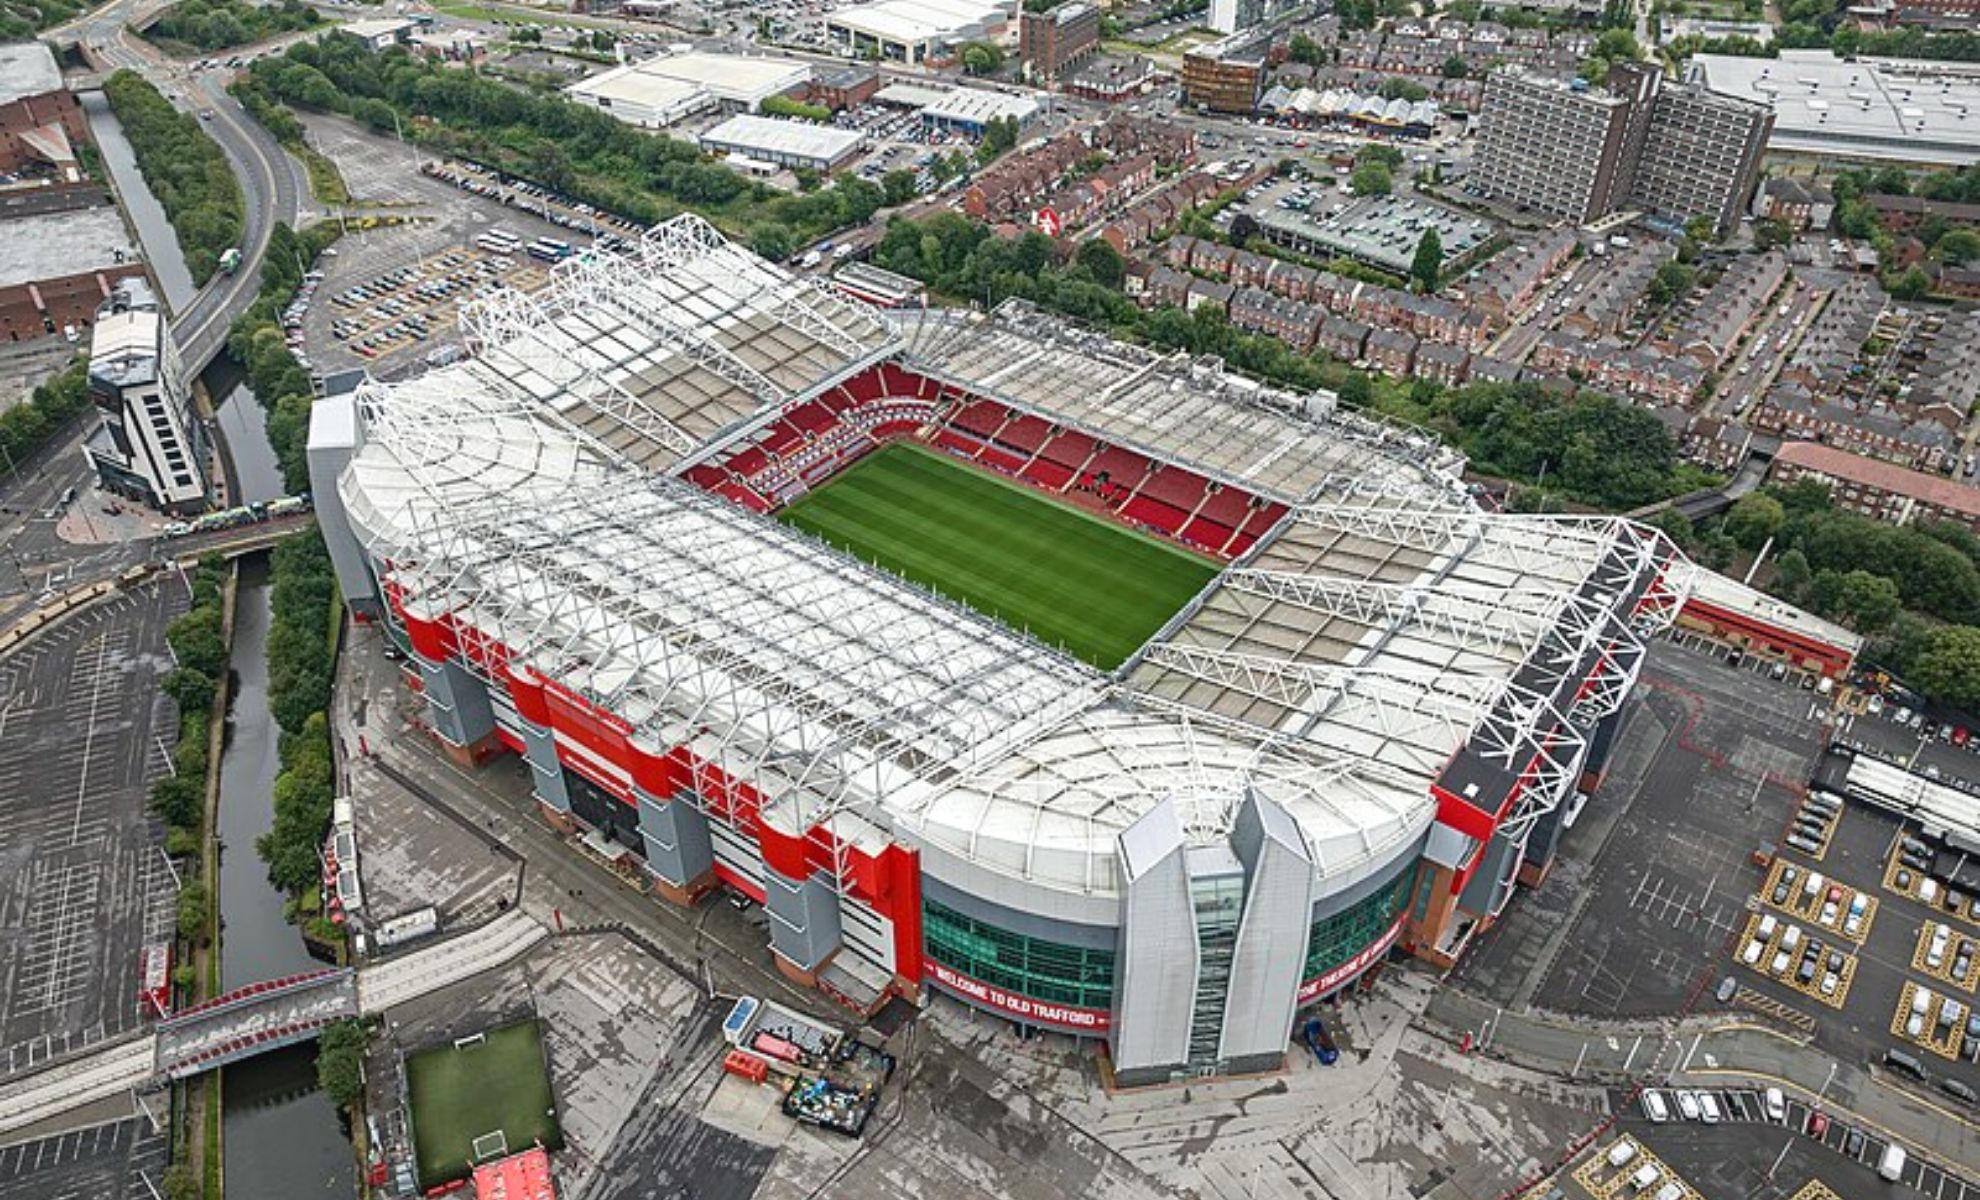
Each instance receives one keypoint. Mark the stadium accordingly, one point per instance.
(1095, 687)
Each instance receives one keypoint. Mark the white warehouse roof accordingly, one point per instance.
(769, 135)
(921, 20)
(631, 92)
(1922, 111)
(733, 77)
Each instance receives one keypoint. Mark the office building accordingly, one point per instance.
(1226, 76)
(150, 445)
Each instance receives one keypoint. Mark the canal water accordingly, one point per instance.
(244, 426)
(161, 245)
(282, 1137)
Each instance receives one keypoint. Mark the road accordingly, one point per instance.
(271, 182)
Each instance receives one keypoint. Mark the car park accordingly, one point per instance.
(1622, 1153)
(1708, 1108)
(1776, 1104)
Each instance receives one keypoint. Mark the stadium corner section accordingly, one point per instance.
(921, 795)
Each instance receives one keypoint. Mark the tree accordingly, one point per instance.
(340, 1062)
(898, 186)
(528, 35)
(1673, 279)
(1371, 179)
(1791, 574)
(982, 58)
(1103, 262)
(195, 909)
(1865, 602)
(191, 690)
(1753, 519)
(1429, 260)
(1947, 667)
(1303, 49)
(1769, 233)
(602, 41)
(773, 242)
(1455, 67)
(1398, 88)
(181, 1183)
(1957, 246)
(1913, 284)
(1357, 390)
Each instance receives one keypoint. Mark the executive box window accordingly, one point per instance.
(1032, 967)
(1337, 938)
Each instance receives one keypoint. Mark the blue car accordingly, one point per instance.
(1320, 1042)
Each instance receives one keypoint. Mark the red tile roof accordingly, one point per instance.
(1888, 477)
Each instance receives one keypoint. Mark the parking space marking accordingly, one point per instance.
(1771, 949)
(1604, 1182)
(1946, 1048)
(1761, 1003)
(1921, 957)
(1815, 1189)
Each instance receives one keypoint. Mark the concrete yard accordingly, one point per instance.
(1658, 861)
(83, 878)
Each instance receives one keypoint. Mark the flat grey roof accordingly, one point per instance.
(1913, 111)
(1384, 229)
(53, 245)
(27, 69)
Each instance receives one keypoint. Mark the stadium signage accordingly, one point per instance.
(1022, 1007)
(1314, 988)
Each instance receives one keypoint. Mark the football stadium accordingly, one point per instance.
(1096, 687)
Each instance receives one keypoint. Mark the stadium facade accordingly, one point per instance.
(1362, 735)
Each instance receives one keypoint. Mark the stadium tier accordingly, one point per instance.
(1099, 689)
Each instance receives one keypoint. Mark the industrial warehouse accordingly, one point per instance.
(1361, 732)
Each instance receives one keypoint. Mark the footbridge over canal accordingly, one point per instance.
(256, 1019)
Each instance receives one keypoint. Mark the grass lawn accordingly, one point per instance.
(1071, 578)
(500, 1083)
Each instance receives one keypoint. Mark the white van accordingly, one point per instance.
(1768, 924)
(1646, 1175)
(1813, 884)
(1670, 1191)
(1891, 1165)
(1622, 1152)
(1754, 949)
(1655, 1108)
(1791, 939)
(1776, 1105)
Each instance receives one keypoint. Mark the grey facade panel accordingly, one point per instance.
(804, 918)
(678, 849)
(333, 441)
(1155, 986)
(1271, 945)
(540, 752)
(456, 702)
(1486, 891)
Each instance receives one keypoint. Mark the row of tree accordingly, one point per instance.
(300, 664)
(1589, 448)
(257, 343)
(28, 426)
(22, 19)
(184, 168)
(575, 149)
(1913, 590)
(221, 24)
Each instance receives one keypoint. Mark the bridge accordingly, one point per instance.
(256, 1019)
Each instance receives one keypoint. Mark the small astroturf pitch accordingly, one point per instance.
(460, 1093)
(1071, 578)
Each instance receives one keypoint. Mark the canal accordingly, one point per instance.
(161, 245)
(282, 1137)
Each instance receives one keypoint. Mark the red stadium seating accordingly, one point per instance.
(1230, 506)
(1025, 433)
(1154, 513)
(1176, 486)
(1049, 475)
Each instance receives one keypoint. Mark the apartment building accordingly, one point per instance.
(1052, 42)
(1565, 148)
(149, 445)
(1702, 156)
(1879, 489)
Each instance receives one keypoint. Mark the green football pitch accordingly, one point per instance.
(1072, 579)
(499, 1082)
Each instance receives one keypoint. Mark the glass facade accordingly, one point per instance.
(1217, 902)
(1337, 938)
(1033, 967)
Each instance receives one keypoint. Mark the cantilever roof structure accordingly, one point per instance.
(1387, 640)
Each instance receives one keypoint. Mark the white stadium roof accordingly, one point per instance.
(1389, 635)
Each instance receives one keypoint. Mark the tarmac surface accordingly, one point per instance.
(84, 882)
(108, 1162)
